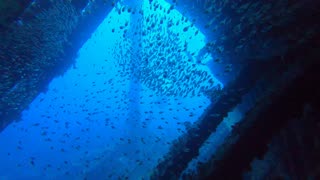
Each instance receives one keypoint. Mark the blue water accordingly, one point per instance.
(96, 121)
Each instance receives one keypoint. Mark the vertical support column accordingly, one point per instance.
(135, 86)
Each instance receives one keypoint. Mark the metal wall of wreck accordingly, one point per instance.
(26, 64)
(283, 102)
(10, 10)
